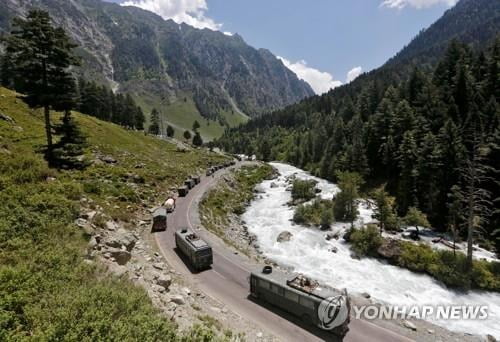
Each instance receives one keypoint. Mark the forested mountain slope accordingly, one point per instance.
(416, 130)
(474, 22)
(180, 70)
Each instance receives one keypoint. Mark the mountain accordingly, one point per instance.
(185, 72)
(474, 22)
(409, 126)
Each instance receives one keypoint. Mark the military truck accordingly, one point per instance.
(196, 250)
(209, 172)
(196, 179)
(303, 297)
(189, 183)
(183, 191)
(159, 220)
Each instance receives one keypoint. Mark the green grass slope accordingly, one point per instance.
(47, 290)
(182, 113)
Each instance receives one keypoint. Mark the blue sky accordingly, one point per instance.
(320, 40)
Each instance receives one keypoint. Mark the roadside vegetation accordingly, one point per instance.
(47, 290)
(229, 199)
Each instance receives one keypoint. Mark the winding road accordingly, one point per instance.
(227, 280)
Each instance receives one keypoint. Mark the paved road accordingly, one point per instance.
(227, 281)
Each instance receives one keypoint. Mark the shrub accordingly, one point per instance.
(366, 241)
(486, 275)
(318, 213)
(416, 258)
(303, 190)
(449, 268)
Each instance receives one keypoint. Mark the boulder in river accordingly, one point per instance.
(284, 236)
(390, 249)
(274, 185)
(332, 235)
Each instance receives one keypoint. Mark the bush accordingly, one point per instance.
(303, 190)
(366, 241)
(486, 275)
(343, 209)
(449, 268)
(416, 257)
(319, 213)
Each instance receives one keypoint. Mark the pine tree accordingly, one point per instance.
(345, 207)
(384, 211)
(154, 126)
(170, 131)
(187, 135)
(139, 119)
(476, 199)
(197, 140)
(407, 160)
(41, 57)
(196, 126)
(70, 149)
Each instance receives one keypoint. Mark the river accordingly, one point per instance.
(309, 253)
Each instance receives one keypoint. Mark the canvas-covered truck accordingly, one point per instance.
(197, 179)
(196, 250)
(159, 220)
(183, 191)
(170, 205)
(315, 304)
(189, 183)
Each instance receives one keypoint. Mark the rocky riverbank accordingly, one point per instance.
(221, 208)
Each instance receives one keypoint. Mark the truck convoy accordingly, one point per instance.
(303, 297)
(313, 303)
(196, 250)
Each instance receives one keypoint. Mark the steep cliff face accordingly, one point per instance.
(137, 51)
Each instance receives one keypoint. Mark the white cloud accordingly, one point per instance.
(320, 81)
(419, 4)
(353, 74)
(191, 12)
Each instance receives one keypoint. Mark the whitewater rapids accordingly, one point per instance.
(309, 253)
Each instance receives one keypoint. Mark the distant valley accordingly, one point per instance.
(185, 73)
